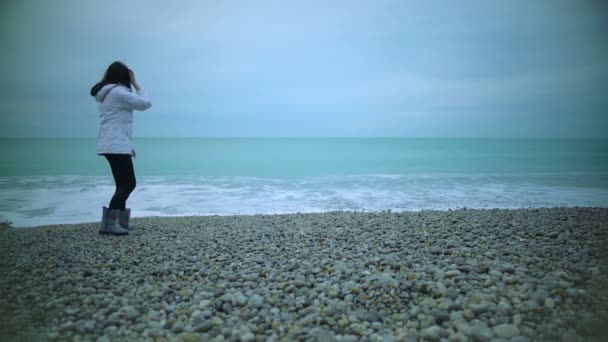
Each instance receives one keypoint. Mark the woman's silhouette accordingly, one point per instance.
(116, 105)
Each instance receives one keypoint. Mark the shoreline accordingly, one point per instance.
(521, 274)
(9, 225)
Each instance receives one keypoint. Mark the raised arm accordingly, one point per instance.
(134, 101)
(137, 101)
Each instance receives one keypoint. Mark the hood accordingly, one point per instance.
(103, 91)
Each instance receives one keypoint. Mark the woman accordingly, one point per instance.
(116, 105)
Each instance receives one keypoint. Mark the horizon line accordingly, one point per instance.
(321, 137)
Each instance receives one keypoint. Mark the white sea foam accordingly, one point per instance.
(33, 201)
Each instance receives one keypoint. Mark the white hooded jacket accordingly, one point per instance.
(116, 117)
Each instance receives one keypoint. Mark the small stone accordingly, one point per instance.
(248, 337)
(458, 337)
(177, 327)
(72, 311)
(139, 328)
(441, 317)
(349, 338)
(323, 335)
(189, 337)
(217, 321)
(153, 315)
(195, 314)
(156, 333)
(517, 319)
(468, 314)
(69, 326)
(87, 291)
(432, 333)
(506, 330)
(241, 299)
(154, 325)
(550, 303)
(456, 316)
(508, 268)
(528, 331)
(477, 297)
(479, 309)
(276, 325)
(383, 280)
(203, 304)
(521, 339)
(441, 289)
(204, 326)
(186, 293)
(504, 307)
(255, 302)
(482, 334)
(495, 273)
(251, 277)
(228, 298)
(89, 326)
(299, 281)
(452, 273)
(104, 338)
(131, 312)
(452, 293)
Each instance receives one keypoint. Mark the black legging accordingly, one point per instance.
(124, 176)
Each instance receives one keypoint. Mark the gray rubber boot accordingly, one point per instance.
(123, 219)
(104, 218)
(111, 224)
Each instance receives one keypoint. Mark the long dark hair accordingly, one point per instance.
(117, 73)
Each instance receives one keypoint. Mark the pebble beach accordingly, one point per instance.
(458, 275)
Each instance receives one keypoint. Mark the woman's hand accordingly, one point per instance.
(133, 154)
(133, 80)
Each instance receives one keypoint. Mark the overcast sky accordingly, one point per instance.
(311, 68)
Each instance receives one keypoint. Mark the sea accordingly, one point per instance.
(59, 181)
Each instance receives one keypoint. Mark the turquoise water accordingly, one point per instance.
(63, 180)
(309, 157)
